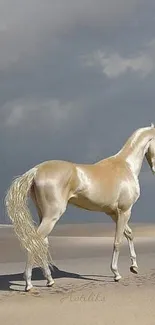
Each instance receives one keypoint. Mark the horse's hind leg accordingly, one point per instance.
(44, 230)
(28, 273)
(30, 262)
(50, 217)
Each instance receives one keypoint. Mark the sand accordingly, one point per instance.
(84, 291)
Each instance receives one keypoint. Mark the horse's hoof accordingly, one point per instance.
(117, 278)
(29, 288)
(50, 284)
(134, 269)
(33, 291)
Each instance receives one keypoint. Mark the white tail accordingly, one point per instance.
(17, 209)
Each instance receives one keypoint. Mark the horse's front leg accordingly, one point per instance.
(129, 235)
(121, 222)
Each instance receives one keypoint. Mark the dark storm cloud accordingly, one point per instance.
(76, 79)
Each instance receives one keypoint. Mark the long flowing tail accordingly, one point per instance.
(17, 209)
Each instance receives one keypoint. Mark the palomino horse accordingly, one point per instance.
(110, 186)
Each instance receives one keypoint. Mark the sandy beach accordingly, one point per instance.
(84, 291)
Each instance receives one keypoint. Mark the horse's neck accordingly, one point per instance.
(134, 150)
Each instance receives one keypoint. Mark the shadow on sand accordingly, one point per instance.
(7, 280)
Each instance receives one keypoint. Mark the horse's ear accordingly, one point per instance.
(152, 125)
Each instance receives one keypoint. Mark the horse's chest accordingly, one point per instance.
(135, 188)
(129, 194)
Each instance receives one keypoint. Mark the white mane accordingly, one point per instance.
(137, 133)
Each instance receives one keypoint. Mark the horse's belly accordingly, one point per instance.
(87, 204)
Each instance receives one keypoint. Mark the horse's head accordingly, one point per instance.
(150, 155)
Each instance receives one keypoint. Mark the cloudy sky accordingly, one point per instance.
(76, 79)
